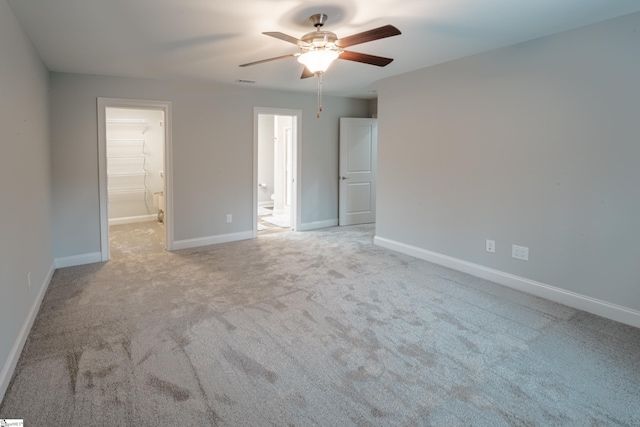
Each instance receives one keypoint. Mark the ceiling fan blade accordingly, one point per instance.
(287, 38)
(306, 73)
(380, 61)
(367, 36)
(269, 59)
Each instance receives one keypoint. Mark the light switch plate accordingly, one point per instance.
(490, 246)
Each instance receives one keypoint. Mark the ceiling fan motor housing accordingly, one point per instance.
(321, 39)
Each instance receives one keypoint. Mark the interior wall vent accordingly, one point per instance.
(250, 82)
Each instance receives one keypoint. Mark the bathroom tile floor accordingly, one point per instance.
(265, 227)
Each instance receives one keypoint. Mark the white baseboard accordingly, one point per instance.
(71, 261)
(318, 224)
(552, 293)
(211, 240)
(132, 219)
(16, 349)
(268, 204)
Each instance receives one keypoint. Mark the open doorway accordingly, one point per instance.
(134, 158)
(276, 154)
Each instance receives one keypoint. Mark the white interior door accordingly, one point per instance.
(358, 158)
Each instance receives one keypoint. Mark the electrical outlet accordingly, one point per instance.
(29, 280)
(491, 246)
(520, 252)
(229, 218)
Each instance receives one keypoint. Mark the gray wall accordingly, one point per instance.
(25, 185)
(212, 154)
(536, 145)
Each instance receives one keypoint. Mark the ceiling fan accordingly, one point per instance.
(318, 49)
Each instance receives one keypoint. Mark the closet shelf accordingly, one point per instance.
(125, 148)
(128, 190)
(126, 140)
(127, 156)
(126, 168)
(132, 173)
(129, 122)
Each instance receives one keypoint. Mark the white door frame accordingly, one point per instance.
(297, 161)
(165, 106)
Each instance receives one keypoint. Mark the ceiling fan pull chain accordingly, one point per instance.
(319, 94)
(321, 91)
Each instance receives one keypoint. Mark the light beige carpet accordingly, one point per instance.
(317, 328)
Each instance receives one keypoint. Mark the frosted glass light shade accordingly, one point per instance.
(317, 61)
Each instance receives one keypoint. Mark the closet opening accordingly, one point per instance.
(133, 138)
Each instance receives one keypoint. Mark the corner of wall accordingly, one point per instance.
(16, 349)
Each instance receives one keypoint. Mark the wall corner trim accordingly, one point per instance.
(10, 364)
(307, 226)
(578, 301)
(212, 240)
(71, 261)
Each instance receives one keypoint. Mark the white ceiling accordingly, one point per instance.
(206, 40)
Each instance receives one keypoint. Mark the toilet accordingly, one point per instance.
(159, 203)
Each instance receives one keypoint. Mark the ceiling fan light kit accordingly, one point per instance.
(320, 48)
(317, 61)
